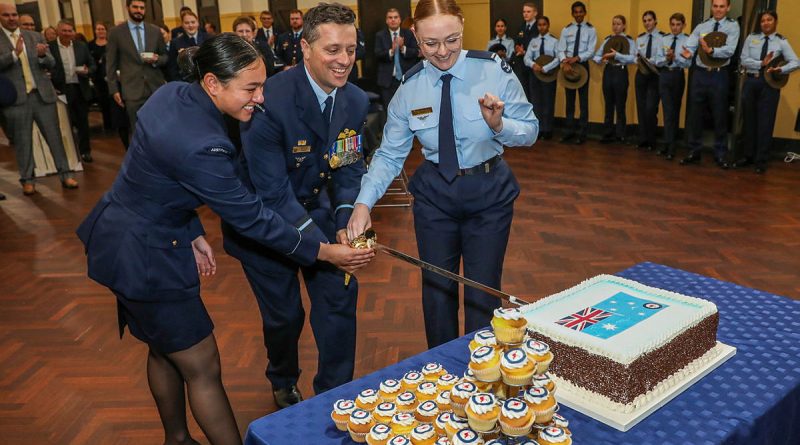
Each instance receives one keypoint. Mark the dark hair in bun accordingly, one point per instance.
(223, 55)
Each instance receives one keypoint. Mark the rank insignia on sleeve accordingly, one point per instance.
(346, 150)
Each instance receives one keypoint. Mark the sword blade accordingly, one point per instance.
(447, 274)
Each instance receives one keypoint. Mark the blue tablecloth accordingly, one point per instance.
(753, 398)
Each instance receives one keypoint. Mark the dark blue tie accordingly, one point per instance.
(541, 47)
(672, 47)
(716, 26)
(326, 113)
(764, 48)
(577, 42)
(448, 160)
(649, 49)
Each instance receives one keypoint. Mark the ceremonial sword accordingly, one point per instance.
(371, 236)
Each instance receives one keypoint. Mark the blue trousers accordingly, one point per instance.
(470, 220)
(615, 94)
(583, 98)
(670, 87)
(543, 98)
(647, 107)
(759, 103)
(709, 88)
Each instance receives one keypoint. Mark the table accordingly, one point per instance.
(754, 398)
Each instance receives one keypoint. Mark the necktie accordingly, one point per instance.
(328, 110)
(673, 46)
(765, 48)
(296, 35)
(716, 26)
(500, 40)
(139, 42)
(649, 46)
(266, 35)
(448, 159)
(541, 47)
(194, 41)
(26, 67)
(577, 42)
(398, 70)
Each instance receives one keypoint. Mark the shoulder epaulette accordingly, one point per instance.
(663, 33)
(414, 70)
(642, 34)
(780, 36)
(627, 36)
(477, 54)
(589, 25)
(685, 35)
(730, 19)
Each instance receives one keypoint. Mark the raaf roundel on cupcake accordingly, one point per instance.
(467, 436)
(515, 356)
(399, 440)
(515, 405)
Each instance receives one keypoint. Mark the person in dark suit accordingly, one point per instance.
(24, 59)
(74, 66)
(302, 157)
(267, 34)
(361, 53)
(137, 50)
(144, 239)
(396, 51)
(178, 30)
(192, 36)
(527, 31)
(245, 28)
(97, 47)
(8, 95)
(288, 45)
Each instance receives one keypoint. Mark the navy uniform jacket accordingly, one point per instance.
(286, 160)
(138, 237)
(288, 49)
(176, 45)
(383, 43)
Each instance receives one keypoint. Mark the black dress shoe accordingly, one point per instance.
(721, 163)
(669, 156)
(645, 146)
(87, 158)
(567, 137)
(2, 197)
(285, 397)
(743, 162)
(580, 140)
(691, 159)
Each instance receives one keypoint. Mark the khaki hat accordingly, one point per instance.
(617, 43)
(645, 66)
(714, 39)
(575, 79)
(776, 80)
(543, 60)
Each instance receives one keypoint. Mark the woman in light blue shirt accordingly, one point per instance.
(463, 107)
(615, 81)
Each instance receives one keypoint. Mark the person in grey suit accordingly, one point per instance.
(137, 51)
(74, 66)
(23, 58)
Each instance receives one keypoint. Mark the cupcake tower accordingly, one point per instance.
(504, 397)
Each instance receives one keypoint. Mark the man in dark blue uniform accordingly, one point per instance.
(302, 156)
(527, 32)
(288, 47)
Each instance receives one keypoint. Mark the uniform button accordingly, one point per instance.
(297, 165)
(322, 175)
(325, 156)
(174, 243)
(316, 191)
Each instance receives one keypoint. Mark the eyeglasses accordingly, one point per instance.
(451, 44)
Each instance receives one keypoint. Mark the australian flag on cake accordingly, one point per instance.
(611, 316)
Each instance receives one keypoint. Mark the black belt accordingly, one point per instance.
(480, 169)
(712, 70)
(620, 66)
(666, 68)
(754, 75)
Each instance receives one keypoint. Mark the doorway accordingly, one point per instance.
(280, 14)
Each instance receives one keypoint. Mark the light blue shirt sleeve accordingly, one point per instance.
(552, 46)
(731, 28)
(528, 59)
(630, 57)
(562, 45)
(790, 56)
(751, 52)
(587, 52)
(598, 55)
(520, 125)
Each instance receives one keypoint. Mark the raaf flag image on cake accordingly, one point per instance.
(611, 316)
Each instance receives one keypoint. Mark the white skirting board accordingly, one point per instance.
(625, 421)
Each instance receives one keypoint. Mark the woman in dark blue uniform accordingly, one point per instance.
(144, 240)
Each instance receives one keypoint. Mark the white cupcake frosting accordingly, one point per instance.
(412, 377)
(560, 421)
(447, 379)
(432, 368)
(368, 396)
(509, 313)
(443, 419)
(404, 419)
(399, 440)
(457, 423)
(422, 431)
(469, 375)
(537, 347)
(406, 398)
(541, 379)
(443, 440)
(390, 386)
(428, 408)
(360, 417)
(514, 359)
(343, 406)
(554, 434)
(483, 354)
(485, 337)
(386, 409)
(427, 388)
(514, 408)
(463, 390)
(482, 403)
(443, 398)
(537, 394)
(380, 431)
(467, 436)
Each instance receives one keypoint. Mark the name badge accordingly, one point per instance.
(301, 149)
(421, 111)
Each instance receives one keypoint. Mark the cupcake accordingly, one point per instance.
(432, 371)
(541, 402)
(468, 374)
(443, 401)
(456, 423)
(561, 422)
(403, 423)
(509, 325)
(406, 402)
(443, 440)
(545, 381)
(553, 435)
(411, 380)
(389, 390)
(459, 396)
(516, 368)
(423, 434)
(467, 436)
(359, 425)
(441, 422)
(484, 337)
(485, 364)
(383, 413)
(426, 391)
(399, 440)
(446, 382)
(493, 434)
(540, 353)
(516, 418)
(485, 386)
(427, 411)
(494, 442)
(482, 411)
(379, 434)
(341, 413)
(367, 399)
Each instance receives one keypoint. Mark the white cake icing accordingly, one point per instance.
(508, 313)
(536, 347)
(457, 423)
(485, 337)
(514, 408)
(447, 379)
(467, 436)
(428, 408)
(427, 388)
(443, 398)
(554, 434)
(482, 403)
(463, 390)
(343, 406)
(399, 440)
(368, 396)
(537, 394)
(380, 431)
(406, 398)
(443, 419)
(360, 417)
(514, 359)
(404, 419)
(422, 431)
(431, 368)
(390, 386)
(386, 409)
(483, 354)
(443, 440)
(412, 377)
(469, 375)
(673, 314)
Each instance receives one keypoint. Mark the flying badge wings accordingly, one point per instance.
(346, 150)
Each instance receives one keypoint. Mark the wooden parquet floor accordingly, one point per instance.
(66, 378)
